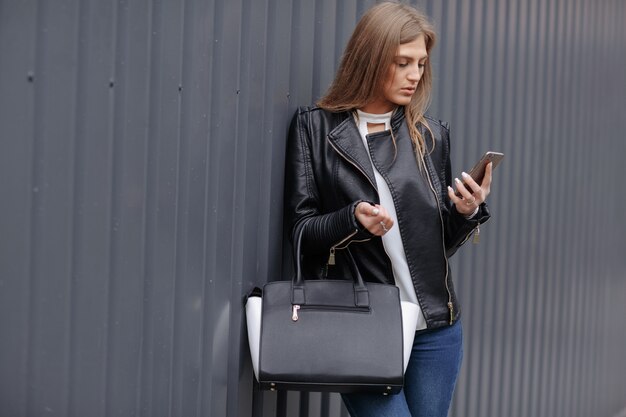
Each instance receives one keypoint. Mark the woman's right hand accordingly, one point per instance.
(374, 218)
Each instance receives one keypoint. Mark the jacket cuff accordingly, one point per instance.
(480, 216)
(363, 233)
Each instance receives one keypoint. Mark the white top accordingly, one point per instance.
(392, 241)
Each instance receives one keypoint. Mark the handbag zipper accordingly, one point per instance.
(296, 307)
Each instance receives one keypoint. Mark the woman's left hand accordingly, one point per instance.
(467, 203)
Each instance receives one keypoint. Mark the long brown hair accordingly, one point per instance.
(365, 64)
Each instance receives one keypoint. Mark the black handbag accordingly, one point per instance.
(327, 335)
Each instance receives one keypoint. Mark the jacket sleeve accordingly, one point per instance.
(303, 195)
(458, 229)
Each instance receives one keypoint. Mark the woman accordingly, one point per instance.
(368, 172)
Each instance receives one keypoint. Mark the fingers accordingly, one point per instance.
(465, 204)
(375, 218)
(470, 194)
(457, 200)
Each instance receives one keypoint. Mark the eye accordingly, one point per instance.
(403, 64)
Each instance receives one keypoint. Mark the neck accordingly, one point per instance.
(378, 108)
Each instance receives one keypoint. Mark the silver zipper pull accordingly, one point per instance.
(331, 257)
(294, 312)
(476, 235)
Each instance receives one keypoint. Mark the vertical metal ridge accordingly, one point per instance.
(34, 235)
(75, 250)
(500, 263)
(536, 367)
(552, 219)
(541, 225)
(170, 236)
(588, 391)
(17, 208)
(205, 293)
(278, 110)
(456, 65)
(237, 154)
(143, 261)
(265, 108)
(518, 305)
(612, 387)
(210, 235)
(179, 215)
(593, 386)
(528, 304)
(293, 52)
(145, 396)
(340, 13)
(492, 129)
(546, 223)
(500, 42)
(445, 57)
(318, 44)
(117, 109)
(509, 316)
(182, 275)
(470, 70)
(562, 324)
(464, 77)
(579, 234)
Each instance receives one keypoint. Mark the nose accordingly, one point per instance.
(415, 74)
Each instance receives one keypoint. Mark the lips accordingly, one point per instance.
(408, 90)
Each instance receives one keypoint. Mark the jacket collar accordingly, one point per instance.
(346, 140)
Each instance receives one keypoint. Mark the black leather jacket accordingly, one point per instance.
(328, 172)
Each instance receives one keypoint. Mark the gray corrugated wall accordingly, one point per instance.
(141, 170)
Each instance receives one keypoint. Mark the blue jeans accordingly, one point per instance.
(428, 382)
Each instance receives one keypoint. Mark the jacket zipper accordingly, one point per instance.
(331, 257)
(350, 162)
(335, 247)
(432, 188)
(476, 232)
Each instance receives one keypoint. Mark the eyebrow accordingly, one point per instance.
(410, 57)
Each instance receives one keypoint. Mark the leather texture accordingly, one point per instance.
(328, 171)
(335, 345)
(254, 307)
(331, 335)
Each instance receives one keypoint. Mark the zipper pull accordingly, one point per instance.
(294, 312)
(476, 235)
(451, 308)
(331, 257)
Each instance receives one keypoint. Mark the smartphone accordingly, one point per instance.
(478, 171)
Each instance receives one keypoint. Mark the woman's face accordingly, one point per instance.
(403, 76)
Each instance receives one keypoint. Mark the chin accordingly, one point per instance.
(403, 101)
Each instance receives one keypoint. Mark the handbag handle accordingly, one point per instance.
(361, 293)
